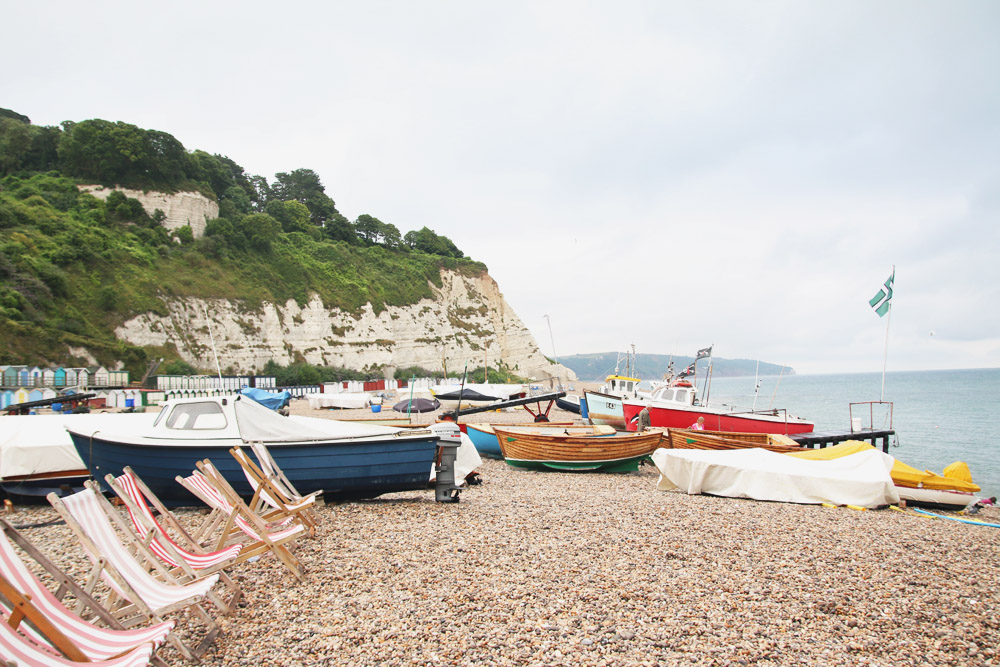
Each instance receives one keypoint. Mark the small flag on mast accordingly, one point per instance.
(686, 372)
(704, 352)
(880, 302)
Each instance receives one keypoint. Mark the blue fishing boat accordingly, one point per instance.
(344, 460)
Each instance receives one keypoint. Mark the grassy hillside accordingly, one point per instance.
(73, 267)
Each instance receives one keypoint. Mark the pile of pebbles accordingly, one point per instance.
(534, 568)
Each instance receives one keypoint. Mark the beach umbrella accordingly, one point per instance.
(417, 405)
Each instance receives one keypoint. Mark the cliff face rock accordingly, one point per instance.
(467, 321)
(181, 208)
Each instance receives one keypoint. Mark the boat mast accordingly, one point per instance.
(756, 385)
(212, 338)
(776, 387)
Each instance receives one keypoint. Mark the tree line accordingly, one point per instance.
(252, 211)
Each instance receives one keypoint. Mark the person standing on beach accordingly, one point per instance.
(644, 420)
(698, 425)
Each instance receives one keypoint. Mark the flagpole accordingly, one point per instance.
(888, 321)
(885, 354)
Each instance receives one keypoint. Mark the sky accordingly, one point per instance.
(668, 175)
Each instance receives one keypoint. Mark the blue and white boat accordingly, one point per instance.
(345, 460)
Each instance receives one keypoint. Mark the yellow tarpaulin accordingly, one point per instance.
(956, 477)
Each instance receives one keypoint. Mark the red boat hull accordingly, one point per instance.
(681, 417)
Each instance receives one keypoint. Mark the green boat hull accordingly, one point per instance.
(618, 465)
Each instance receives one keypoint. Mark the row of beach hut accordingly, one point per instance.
(36, 376)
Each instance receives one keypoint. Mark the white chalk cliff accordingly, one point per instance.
(180, 208)
(468, 321)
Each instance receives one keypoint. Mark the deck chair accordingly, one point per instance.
(269, 501)
(96, 642)
(189, 561)
(237, 522)
(277, 476)
(44, 645)
(140, 590)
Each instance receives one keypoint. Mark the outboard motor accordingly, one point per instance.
(449, 440)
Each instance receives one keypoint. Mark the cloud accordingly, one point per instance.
(661, 173)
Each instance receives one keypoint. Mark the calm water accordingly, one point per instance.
(939, 416)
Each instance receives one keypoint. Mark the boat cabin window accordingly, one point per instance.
(196, 416)
(628, 386)
(681, 395)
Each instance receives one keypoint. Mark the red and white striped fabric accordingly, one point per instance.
(25, 653)
(217, 501)
(85, 508)
(197, 561)
(97, 643)
(288, 504)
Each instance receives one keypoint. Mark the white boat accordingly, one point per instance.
(37, 455)
(862, 479)
(346, 460)
(339, 401)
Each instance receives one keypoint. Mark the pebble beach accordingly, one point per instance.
(534, 568)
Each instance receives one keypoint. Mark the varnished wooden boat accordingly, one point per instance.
(682, 438)
(485, 440)
(621, 452)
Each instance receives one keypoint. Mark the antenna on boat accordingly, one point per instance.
(756, 385)
(551, 339)
(776, 387)
(211, 337)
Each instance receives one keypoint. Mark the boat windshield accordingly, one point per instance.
(200, 416)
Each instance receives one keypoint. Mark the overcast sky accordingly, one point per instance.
(665, 174)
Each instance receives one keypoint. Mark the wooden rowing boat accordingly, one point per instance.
(485, 440)
(682, 438)
(621, 452)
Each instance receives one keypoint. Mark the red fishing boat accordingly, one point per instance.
(675, 406)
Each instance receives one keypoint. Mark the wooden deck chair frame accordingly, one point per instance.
(125, 601)
(270, 502)
(277, 476)
(163, 545)
(234, 519)
(45, 644)
(101, 634)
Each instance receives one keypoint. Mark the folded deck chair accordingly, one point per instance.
(44, 645)
(190, 559)
(238, 521)
(137, 593)
(269, 500)
(96, 642)
(277, 476)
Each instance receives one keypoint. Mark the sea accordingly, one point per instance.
(939, 416)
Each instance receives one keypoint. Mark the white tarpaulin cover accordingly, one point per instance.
(861, 479)
(36, 444)
(342, 400)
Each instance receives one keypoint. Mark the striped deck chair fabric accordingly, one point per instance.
(152, 594)
(190, 563)
(96, 642)
(215, 499)
(85, 508)
(127, 483)
(25, 653)
(209, 485)
(277, 476)
(271, 495)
